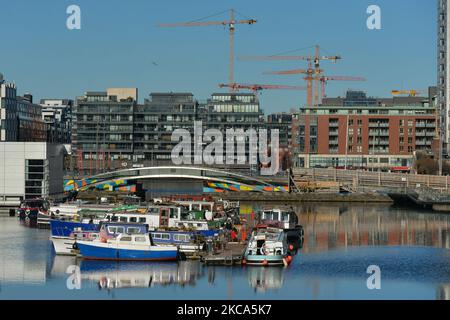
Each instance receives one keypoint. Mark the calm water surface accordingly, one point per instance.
(341, 241)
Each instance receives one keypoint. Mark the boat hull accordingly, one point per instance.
(262, 260)
(103, 251)
(63, 246)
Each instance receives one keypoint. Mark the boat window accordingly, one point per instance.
(140, 239)
(116, 230)
(285, 216)
(125, 239)
(190, 224)
(134, 230)
(276, 216)
(199, 224)
(142, 220)
(181, 237)
(173, 213)
(153, 210)
(267, 215)
(157, 236)
(133, 219)
(123, 219)
(165, 236)
(180, 224)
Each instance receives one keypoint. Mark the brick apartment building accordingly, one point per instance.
(365, 133)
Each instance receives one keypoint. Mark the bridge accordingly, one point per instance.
(177, 179)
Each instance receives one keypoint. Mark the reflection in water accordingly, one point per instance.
(23, 253)
(113, 275)
(329, 226)
(400, 242)
(263, 279)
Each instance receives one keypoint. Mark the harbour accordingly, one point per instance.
(340, 241)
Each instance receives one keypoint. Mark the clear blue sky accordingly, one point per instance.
(119, 43)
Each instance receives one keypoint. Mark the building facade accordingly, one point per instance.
(57, 115)
(30, 170)
(365, 137)
(443, 65)
(102, 132)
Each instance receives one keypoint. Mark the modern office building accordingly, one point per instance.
(29, 166)
(112, 131)
(237, 111)
(382, 136)
(20, 118)
(102, 132)
(156, 120)
(30, 170)
(443, 72)
(57, 114)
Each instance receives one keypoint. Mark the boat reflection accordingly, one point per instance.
(329, 226)
(113, 275)
(264, 279)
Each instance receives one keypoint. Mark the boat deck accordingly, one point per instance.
(231, 255)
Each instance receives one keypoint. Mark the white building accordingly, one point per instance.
(444, 71)
(30, 170)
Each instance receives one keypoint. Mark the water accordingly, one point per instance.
(341, 241)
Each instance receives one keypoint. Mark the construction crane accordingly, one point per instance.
(411, 93)
(258, 87)
(324, 80)
(231, 23)
(313, 73)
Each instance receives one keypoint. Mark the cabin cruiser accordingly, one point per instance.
(267, 246)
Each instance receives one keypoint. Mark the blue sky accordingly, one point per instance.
(119, 43)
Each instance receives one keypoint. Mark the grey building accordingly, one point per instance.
(155, 121)
(57, 115)
(102, 132)
(443, 66)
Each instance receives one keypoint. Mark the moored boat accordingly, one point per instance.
(267, 246)
(127, 248)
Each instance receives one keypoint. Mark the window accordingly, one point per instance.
(123, 219)
(142, 220)
(157, 236)
(116, 230)
(140, 239)
(125, 239)
(133, 219)
(133, 230)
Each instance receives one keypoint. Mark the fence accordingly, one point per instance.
(374, 179)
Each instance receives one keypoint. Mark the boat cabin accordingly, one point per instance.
(285, 219)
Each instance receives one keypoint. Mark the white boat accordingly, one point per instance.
(65, 245)
(267, 246)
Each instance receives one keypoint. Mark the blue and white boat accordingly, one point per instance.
(127, 248)
(65, 244)
(267, 246)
